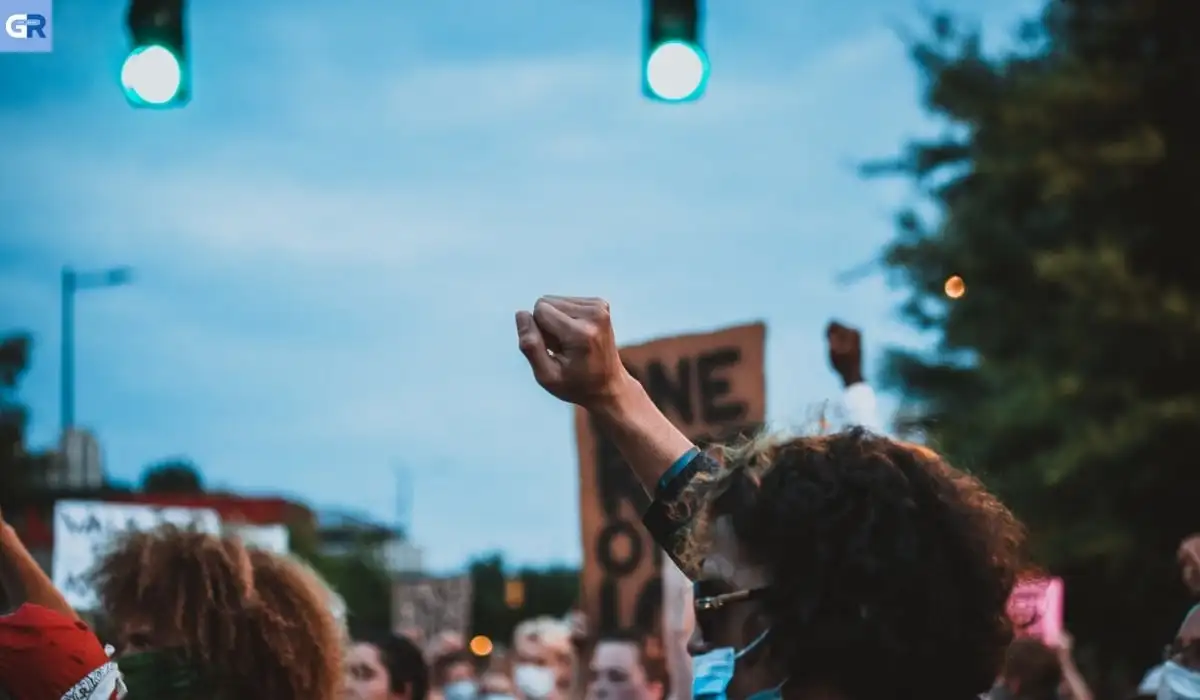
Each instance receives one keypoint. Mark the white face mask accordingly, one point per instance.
(1178, 683)
(460, 690)
(534, 682)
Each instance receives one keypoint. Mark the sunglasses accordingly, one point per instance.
(708, 608)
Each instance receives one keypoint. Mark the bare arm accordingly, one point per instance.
(1076, 686)
(23, 580)
(643, 435)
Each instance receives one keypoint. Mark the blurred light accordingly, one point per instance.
(955, 287)
(676, 71)
(480, 645)
(152, 74)
(514, 593)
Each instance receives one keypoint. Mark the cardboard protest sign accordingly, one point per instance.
(712, 387)
(84, 531)
(1036, 609)
(432, 605)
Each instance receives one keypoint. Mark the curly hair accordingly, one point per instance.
(880, 555)
(258, 625)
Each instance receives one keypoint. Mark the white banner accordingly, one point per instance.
(84, 531)
(271, 538)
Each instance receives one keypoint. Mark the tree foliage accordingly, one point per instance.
(17, 466)
(1065, 375)
(551, 592)
(172, 476)
(362, 581)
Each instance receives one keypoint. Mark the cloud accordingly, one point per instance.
(330, 242)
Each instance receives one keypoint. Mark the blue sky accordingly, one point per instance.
(330, 241)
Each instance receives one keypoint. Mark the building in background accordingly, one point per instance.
(77, 465)
(343, 534)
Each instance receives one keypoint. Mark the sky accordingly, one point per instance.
(330, 241)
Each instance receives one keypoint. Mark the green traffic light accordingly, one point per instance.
(152, 75)
(676, 71)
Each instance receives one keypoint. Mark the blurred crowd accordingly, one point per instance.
(846, 565)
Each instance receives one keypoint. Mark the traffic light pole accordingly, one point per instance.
(67, 370)
(72, 283)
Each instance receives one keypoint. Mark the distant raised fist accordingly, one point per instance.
(845, 352)
(570, 347)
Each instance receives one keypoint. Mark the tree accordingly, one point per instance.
(363, 583)
(1065, 374)
(552, 592)
(17, 466)
(172, 476)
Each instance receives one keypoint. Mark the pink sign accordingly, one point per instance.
(1036, 609)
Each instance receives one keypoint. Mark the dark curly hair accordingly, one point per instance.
(259, 626)
(408, 673)
(890, 570)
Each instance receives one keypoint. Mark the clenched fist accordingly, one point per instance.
(845, 352)
(570, 347)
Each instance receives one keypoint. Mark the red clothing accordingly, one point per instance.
(45, 654)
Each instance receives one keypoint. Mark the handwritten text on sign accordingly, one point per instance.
(84, 531)
(1036, 609)
(711, 386)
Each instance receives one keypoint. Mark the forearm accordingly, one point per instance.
(648, 441)
(23, 579)
(1076, 685)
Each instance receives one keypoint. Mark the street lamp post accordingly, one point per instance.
(74, 281)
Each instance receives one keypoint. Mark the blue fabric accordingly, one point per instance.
(664, 482)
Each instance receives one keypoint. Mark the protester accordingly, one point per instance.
(202, 616)
(445, 642)
(544, 659)
(454, 676)
(1188, 556)
(496, 685)
(845, 566)
(389, 668)
(47, 651)
(620, 670)
(1179, 676)
(1035, 671)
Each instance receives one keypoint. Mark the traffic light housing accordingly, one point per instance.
(674, 63)
(155, 72)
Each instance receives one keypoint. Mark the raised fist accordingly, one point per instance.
(845, 352)
(570, 347)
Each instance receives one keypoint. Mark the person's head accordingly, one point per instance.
(1031, 670)
(620, 670)
(1189, 563)
(455, 674)
(496, 685)
(544, 658)
(849, 563)
(1180, 678)
(207, 617)
(388, 668)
